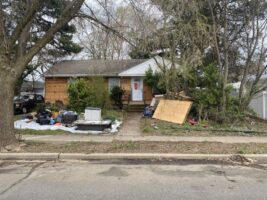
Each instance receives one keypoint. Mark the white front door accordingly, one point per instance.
(137, 89)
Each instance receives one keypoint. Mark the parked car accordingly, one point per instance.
(24, 104)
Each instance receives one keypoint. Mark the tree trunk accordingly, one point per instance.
(226, 58)
(225, 79)
(7, 133)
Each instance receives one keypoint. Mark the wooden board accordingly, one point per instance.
(172, 111)
(56, 90)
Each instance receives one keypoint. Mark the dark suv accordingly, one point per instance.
(23, 104)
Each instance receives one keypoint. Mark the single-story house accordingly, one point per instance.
(128, 74)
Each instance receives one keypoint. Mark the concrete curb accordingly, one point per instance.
(140, 156)
(110, 156)
(29, 156)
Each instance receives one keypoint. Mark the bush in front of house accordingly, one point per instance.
(205, 88)
(112, 115)
(117, 95)
(91, 92)
(155, 81)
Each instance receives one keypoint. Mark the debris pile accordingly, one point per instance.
(170, 110)
(67, 121)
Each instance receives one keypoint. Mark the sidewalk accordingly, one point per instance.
(87, 138)
(131, 125)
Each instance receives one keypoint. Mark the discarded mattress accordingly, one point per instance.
(174, 111)
(84, 125)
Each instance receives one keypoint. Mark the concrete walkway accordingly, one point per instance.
(131, 125)
(86, 138)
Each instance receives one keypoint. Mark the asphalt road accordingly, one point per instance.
(127, 181)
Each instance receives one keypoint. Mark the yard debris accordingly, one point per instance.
(174, 111)
(178, 96)
(85, 125)
(3, 150)
(13, 147)
(241, 160)
(115, 126)
(68, 117)
(155, 126)
(22, 124)
(205, 125)
(192, 122)
(155, 101)
(63, 120)
(148, 111)
(92, 114)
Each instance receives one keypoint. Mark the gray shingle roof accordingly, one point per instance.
(79, 68)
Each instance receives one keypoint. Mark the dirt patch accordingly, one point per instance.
(148, 147)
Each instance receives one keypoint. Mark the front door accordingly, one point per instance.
(137, 89)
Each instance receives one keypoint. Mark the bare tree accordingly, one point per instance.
(253, 61)
(20, 42)
(119, 28)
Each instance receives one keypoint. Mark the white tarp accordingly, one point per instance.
(27, 124)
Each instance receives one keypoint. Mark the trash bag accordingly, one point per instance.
(68, 117)
(148, 112)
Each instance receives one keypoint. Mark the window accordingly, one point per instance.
(112, 82)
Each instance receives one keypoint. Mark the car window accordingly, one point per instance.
(39, 98)
(17, 98)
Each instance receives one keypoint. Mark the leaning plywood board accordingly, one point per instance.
(173, 110)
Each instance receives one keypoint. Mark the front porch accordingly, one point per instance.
(135, 106)
(145, 102)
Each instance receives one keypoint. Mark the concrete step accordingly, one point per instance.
(135, 108)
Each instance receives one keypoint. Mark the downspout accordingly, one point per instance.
(264, 104)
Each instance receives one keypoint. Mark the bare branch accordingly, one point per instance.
(32, 8)
(67, 14)
(3, 36)
(106, 27)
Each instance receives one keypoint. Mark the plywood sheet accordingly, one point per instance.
(172, 111)
(56, 90)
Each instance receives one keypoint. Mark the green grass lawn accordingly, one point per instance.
(40, 132)
(157, 127)
(146, 147)
(113, 114)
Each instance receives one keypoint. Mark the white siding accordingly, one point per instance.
(259, 105)
(140, 70)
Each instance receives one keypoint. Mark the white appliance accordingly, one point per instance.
(92, 114)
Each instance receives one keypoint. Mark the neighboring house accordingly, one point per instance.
(32, 87)
(128, 74)
(259, 104)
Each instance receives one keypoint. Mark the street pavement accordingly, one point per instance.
(128, 180)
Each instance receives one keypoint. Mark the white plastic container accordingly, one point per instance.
(92, 114)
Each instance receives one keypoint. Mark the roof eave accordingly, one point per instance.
(79, 75)
(131, 75)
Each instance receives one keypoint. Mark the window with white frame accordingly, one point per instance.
(112, 82)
